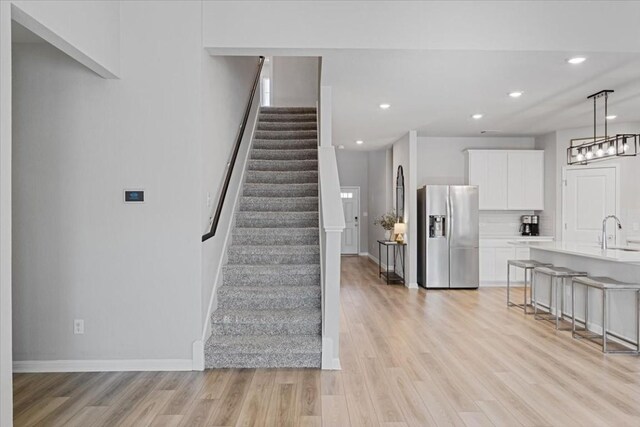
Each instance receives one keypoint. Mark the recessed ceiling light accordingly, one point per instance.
(385, 106)
(516, 94)
(576, 60)
(359, 142)
(476, 116)
(611, 117)
(340, 147)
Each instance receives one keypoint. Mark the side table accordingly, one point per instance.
(392, 276)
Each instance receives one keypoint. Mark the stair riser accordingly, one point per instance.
(277, 223)
(286, 126)
(293, 144)
(281, 238)
(265, 117)
(238, 280)
(244, 360)
(287, 110)
(284, 154)
(275, 190)
(295, 134)
(265, 259)
(274, 204)
(266, 328)
(283, 165)
(267, 303)
(262, 177)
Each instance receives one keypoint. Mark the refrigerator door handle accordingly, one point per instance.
(448, 225)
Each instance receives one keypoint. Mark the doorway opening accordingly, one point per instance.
(351, 207)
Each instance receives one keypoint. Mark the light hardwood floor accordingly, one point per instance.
(409, 358)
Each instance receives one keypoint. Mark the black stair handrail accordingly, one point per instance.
(234, 155)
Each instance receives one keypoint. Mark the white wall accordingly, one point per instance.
(226, 86)
(549, 221)
(133, 273)
(405, 154)
(441, 160)
(88, 31)
(381, 181)
(295, 81)
(353, 167)
(489, 25)
(6, 387)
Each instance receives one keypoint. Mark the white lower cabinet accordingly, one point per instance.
(494, 255)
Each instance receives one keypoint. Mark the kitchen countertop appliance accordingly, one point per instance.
(529, 225)
(448, 237)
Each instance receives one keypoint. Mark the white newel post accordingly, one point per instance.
(331, 308)
(331, 227)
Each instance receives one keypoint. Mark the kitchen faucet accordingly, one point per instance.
(604, 229)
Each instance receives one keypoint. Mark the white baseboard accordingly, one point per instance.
(363, 253)
(412, 285)
(34, 366)
(375, 260)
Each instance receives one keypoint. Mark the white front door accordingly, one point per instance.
(351, 207)
(589, 196)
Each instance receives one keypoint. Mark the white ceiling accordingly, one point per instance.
(436, 92)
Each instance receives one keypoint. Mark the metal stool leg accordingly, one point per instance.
(586, 309)
(557, 306)
(573, 309)
(638, 321)
(524, 307)
(508, 285)
(604, 321)
(533, 289)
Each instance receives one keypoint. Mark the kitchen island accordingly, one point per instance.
(618, 263)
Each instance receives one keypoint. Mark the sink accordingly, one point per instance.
(624, 248)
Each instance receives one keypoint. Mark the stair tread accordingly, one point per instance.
(288, 110)
(268, 344)
(297, 315)
(275, 230)
(263, 214)
(297, 269)
(286, 117)
(283, 248)
(282, 199)
(276, 291)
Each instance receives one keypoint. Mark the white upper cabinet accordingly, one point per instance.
(508, 179)
(488, 170)
(525, 183)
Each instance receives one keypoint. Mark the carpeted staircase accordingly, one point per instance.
(269, 303)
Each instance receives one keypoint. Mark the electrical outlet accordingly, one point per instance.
(78, 326)
(208, 199)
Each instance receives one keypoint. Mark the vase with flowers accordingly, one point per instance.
(387, 222)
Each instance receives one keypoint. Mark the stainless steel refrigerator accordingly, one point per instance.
(448, 236)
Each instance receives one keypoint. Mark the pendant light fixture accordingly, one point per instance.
(583, 151)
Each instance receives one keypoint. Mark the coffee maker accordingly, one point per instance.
(529, 225)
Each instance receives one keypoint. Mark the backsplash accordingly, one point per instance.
(630, 218)
(501, 223)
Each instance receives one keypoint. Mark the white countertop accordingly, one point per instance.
(586, 250)
(517, 237)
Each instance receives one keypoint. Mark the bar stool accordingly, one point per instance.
(555, 274)
(606, 285)
(527, 265)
